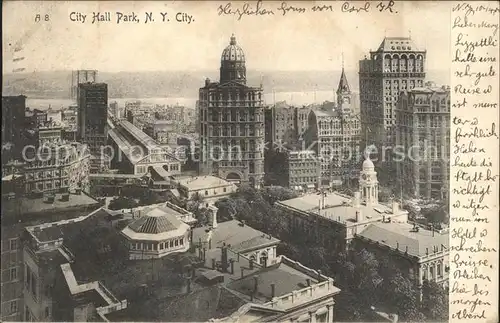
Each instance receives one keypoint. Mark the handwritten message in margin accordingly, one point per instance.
(474, 212)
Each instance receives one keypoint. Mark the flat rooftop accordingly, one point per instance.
(26, 207)
(401, 236)
(240, 236)
(338, 208)
(202, 182)
(178, 287)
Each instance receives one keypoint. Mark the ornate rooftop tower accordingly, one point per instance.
(232, 63)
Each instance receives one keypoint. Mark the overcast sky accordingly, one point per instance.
(309, 41)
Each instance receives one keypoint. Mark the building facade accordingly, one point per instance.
(423, 121)
(160, 130)
(397, 65)
(13, 120)
(301, 120)
(280, 125)
(18, 213)
(302, 170)
(334, 219)
(334, 134)
(92, 116)
(54, 168)
(50, 134)
(232, 123)
(210, 188)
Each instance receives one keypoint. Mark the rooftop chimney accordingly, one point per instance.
(308, 282)
(213, 263)
(395, 207)
(319, 275)
(251, 263)
(213, 214)
(255, 285)
(273, 290)
(224, 263)
(242, 272)
(231, 261)
(359, 216)
(356, 202)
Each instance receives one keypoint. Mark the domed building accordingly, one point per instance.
(156, 234)
(233, 63)
(231, 119)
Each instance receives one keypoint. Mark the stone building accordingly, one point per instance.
(423, 121)
(17, 213)
(55, 167)
(221, 278)
(302, 170)
(334, 134)
(232, 123)
(397, 65)
(92, 120)
(337, 222)
(13, 121)
(334, 219)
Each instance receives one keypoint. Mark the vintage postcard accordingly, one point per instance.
(250, 161)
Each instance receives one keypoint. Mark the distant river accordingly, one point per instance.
(294, 98)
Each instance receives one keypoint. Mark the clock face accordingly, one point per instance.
(365, 177)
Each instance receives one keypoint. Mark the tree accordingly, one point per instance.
(195, 202)
(347, 307)
(274, 194)
(404, 298)
(121, 202)
(434, 302)
(436, 213)
(384, 194)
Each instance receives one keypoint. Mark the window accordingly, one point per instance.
(13, 273)
(13, 307)
(13, 244)
(176, 242)
(206, 192)
(171, 243)
(322, 318)
(439, 270)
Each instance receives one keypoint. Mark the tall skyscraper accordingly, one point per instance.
(397, 65)
(231, 118)
(92, 117)
(13, 117)
(423, 121)
(81, 76)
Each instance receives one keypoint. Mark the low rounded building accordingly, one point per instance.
(156, 234)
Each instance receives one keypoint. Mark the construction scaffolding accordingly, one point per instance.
(81, 76)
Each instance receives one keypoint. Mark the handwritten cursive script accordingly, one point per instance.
(473, 246)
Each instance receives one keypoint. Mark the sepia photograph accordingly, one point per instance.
(258, 161)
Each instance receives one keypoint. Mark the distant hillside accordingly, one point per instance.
(178, 84)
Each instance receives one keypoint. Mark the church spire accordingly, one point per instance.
(343, 84)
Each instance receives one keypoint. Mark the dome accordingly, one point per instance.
(233, 52)
(157, 221)
(368, 164)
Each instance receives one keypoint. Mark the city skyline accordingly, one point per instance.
(318, 43)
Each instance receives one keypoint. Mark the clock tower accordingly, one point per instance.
(368, 183)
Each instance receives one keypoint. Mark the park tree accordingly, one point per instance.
(274, 194)
(119, 203)
(434, 302)
(384, 194)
